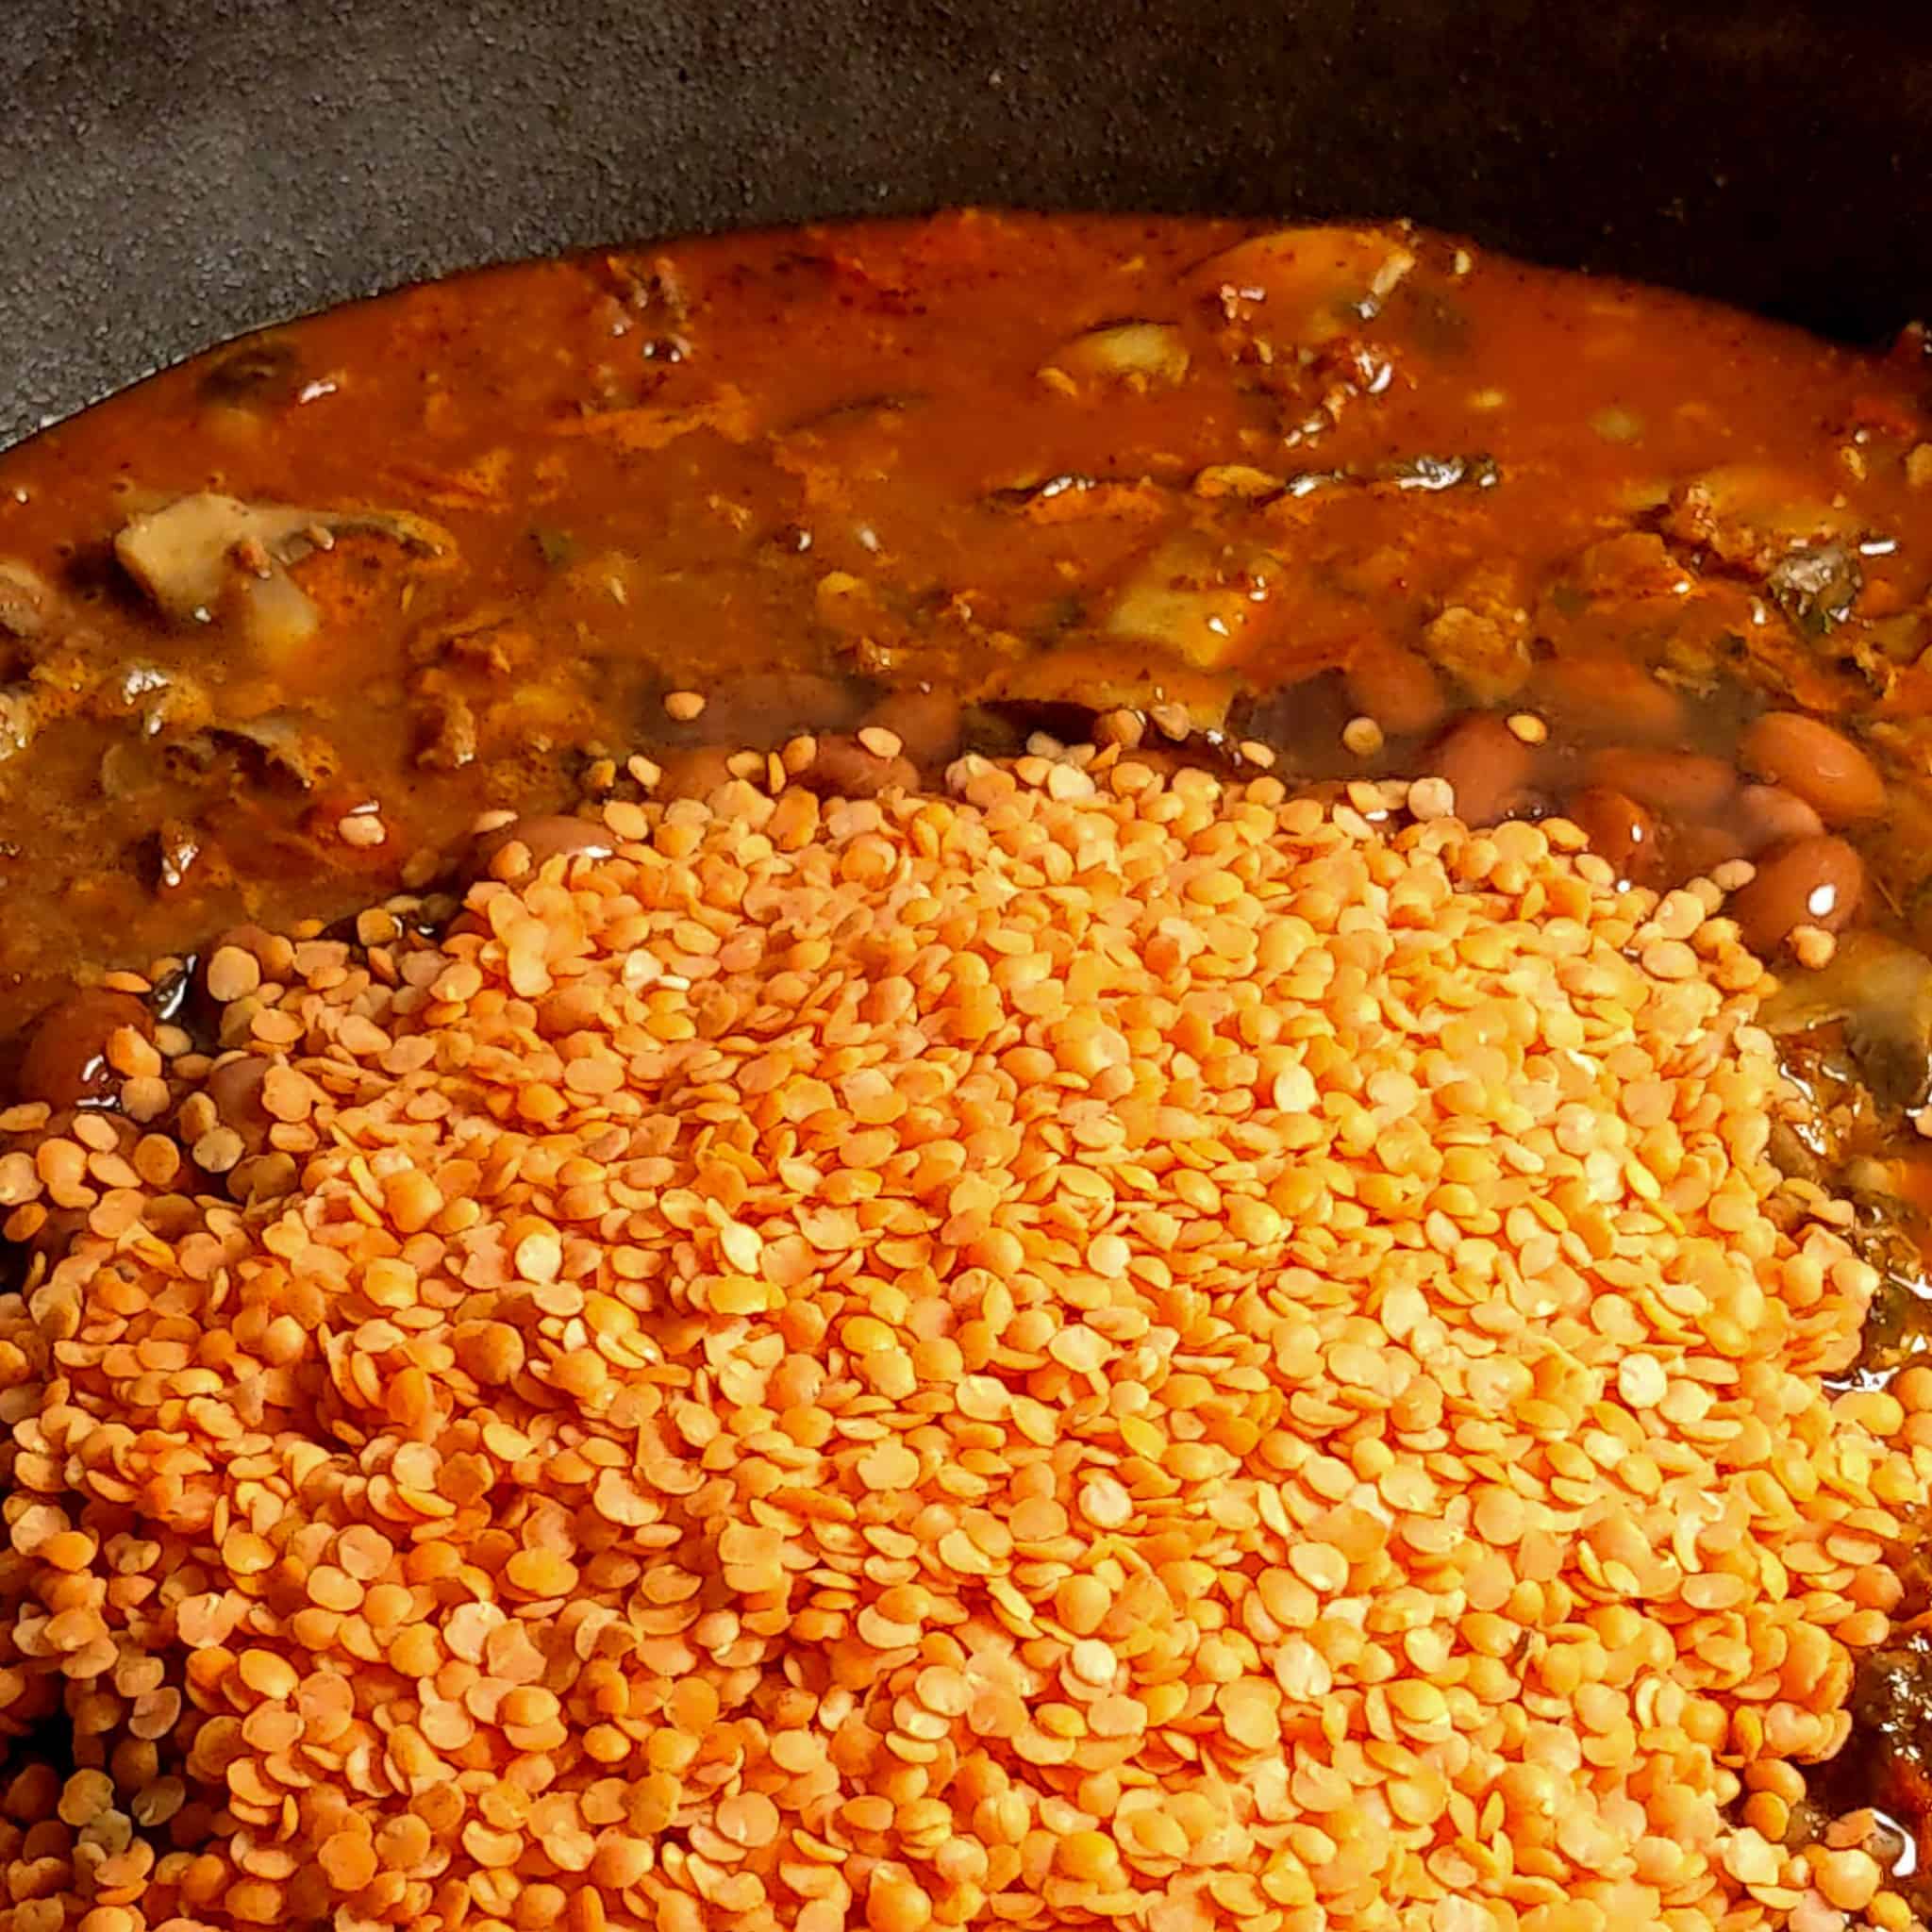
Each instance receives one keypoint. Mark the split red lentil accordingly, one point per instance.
(1101, 1346)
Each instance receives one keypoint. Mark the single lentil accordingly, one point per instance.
(1362, 737)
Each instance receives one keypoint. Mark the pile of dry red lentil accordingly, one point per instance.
(1098, 1349)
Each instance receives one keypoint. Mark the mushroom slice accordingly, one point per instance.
(1308, 285)
(1145, 355)
(26, 602)
(1241, 481)
(1090, 674)
(285, 739)
(1749, 517)
(20, 718)
(1880, 990)
(1816, 589)
(1195, 599)
(190, 555)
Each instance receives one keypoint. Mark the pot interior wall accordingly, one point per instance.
(174, 171)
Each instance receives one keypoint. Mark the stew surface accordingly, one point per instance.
(997, 463)
(1338, 504)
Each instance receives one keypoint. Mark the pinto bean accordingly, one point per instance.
(1696, 851)
(545, 838)
(1809, 882)
(1620, 831)
(1599, 700)
(694, 774)
(66, 1060)
(761, 710)
(1396, 687)
(928, 724)
(1770, 815)
(1822, 765)
(1487, 765)
(235, 1087)
(1680, 784)
(845, 769)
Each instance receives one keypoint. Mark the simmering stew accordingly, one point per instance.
(296, 639)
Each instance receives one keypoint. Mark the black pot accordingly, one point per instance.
(174, 171)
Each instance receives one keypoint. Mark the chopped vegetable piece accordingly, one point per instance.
(1143, 352)
(1307, 284)
(1195, 599)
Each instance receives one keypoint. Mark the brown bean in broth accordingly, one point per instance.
(1682, 785)
(235, 1087)
(1486, 764)
(1397, 687)
(1620, 830)
(1819, 765)
(845, 767)
(1771, 815)
(1608, 701)
(67, 1059)
(928, 724)
(1810, 882)
(537, 839)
